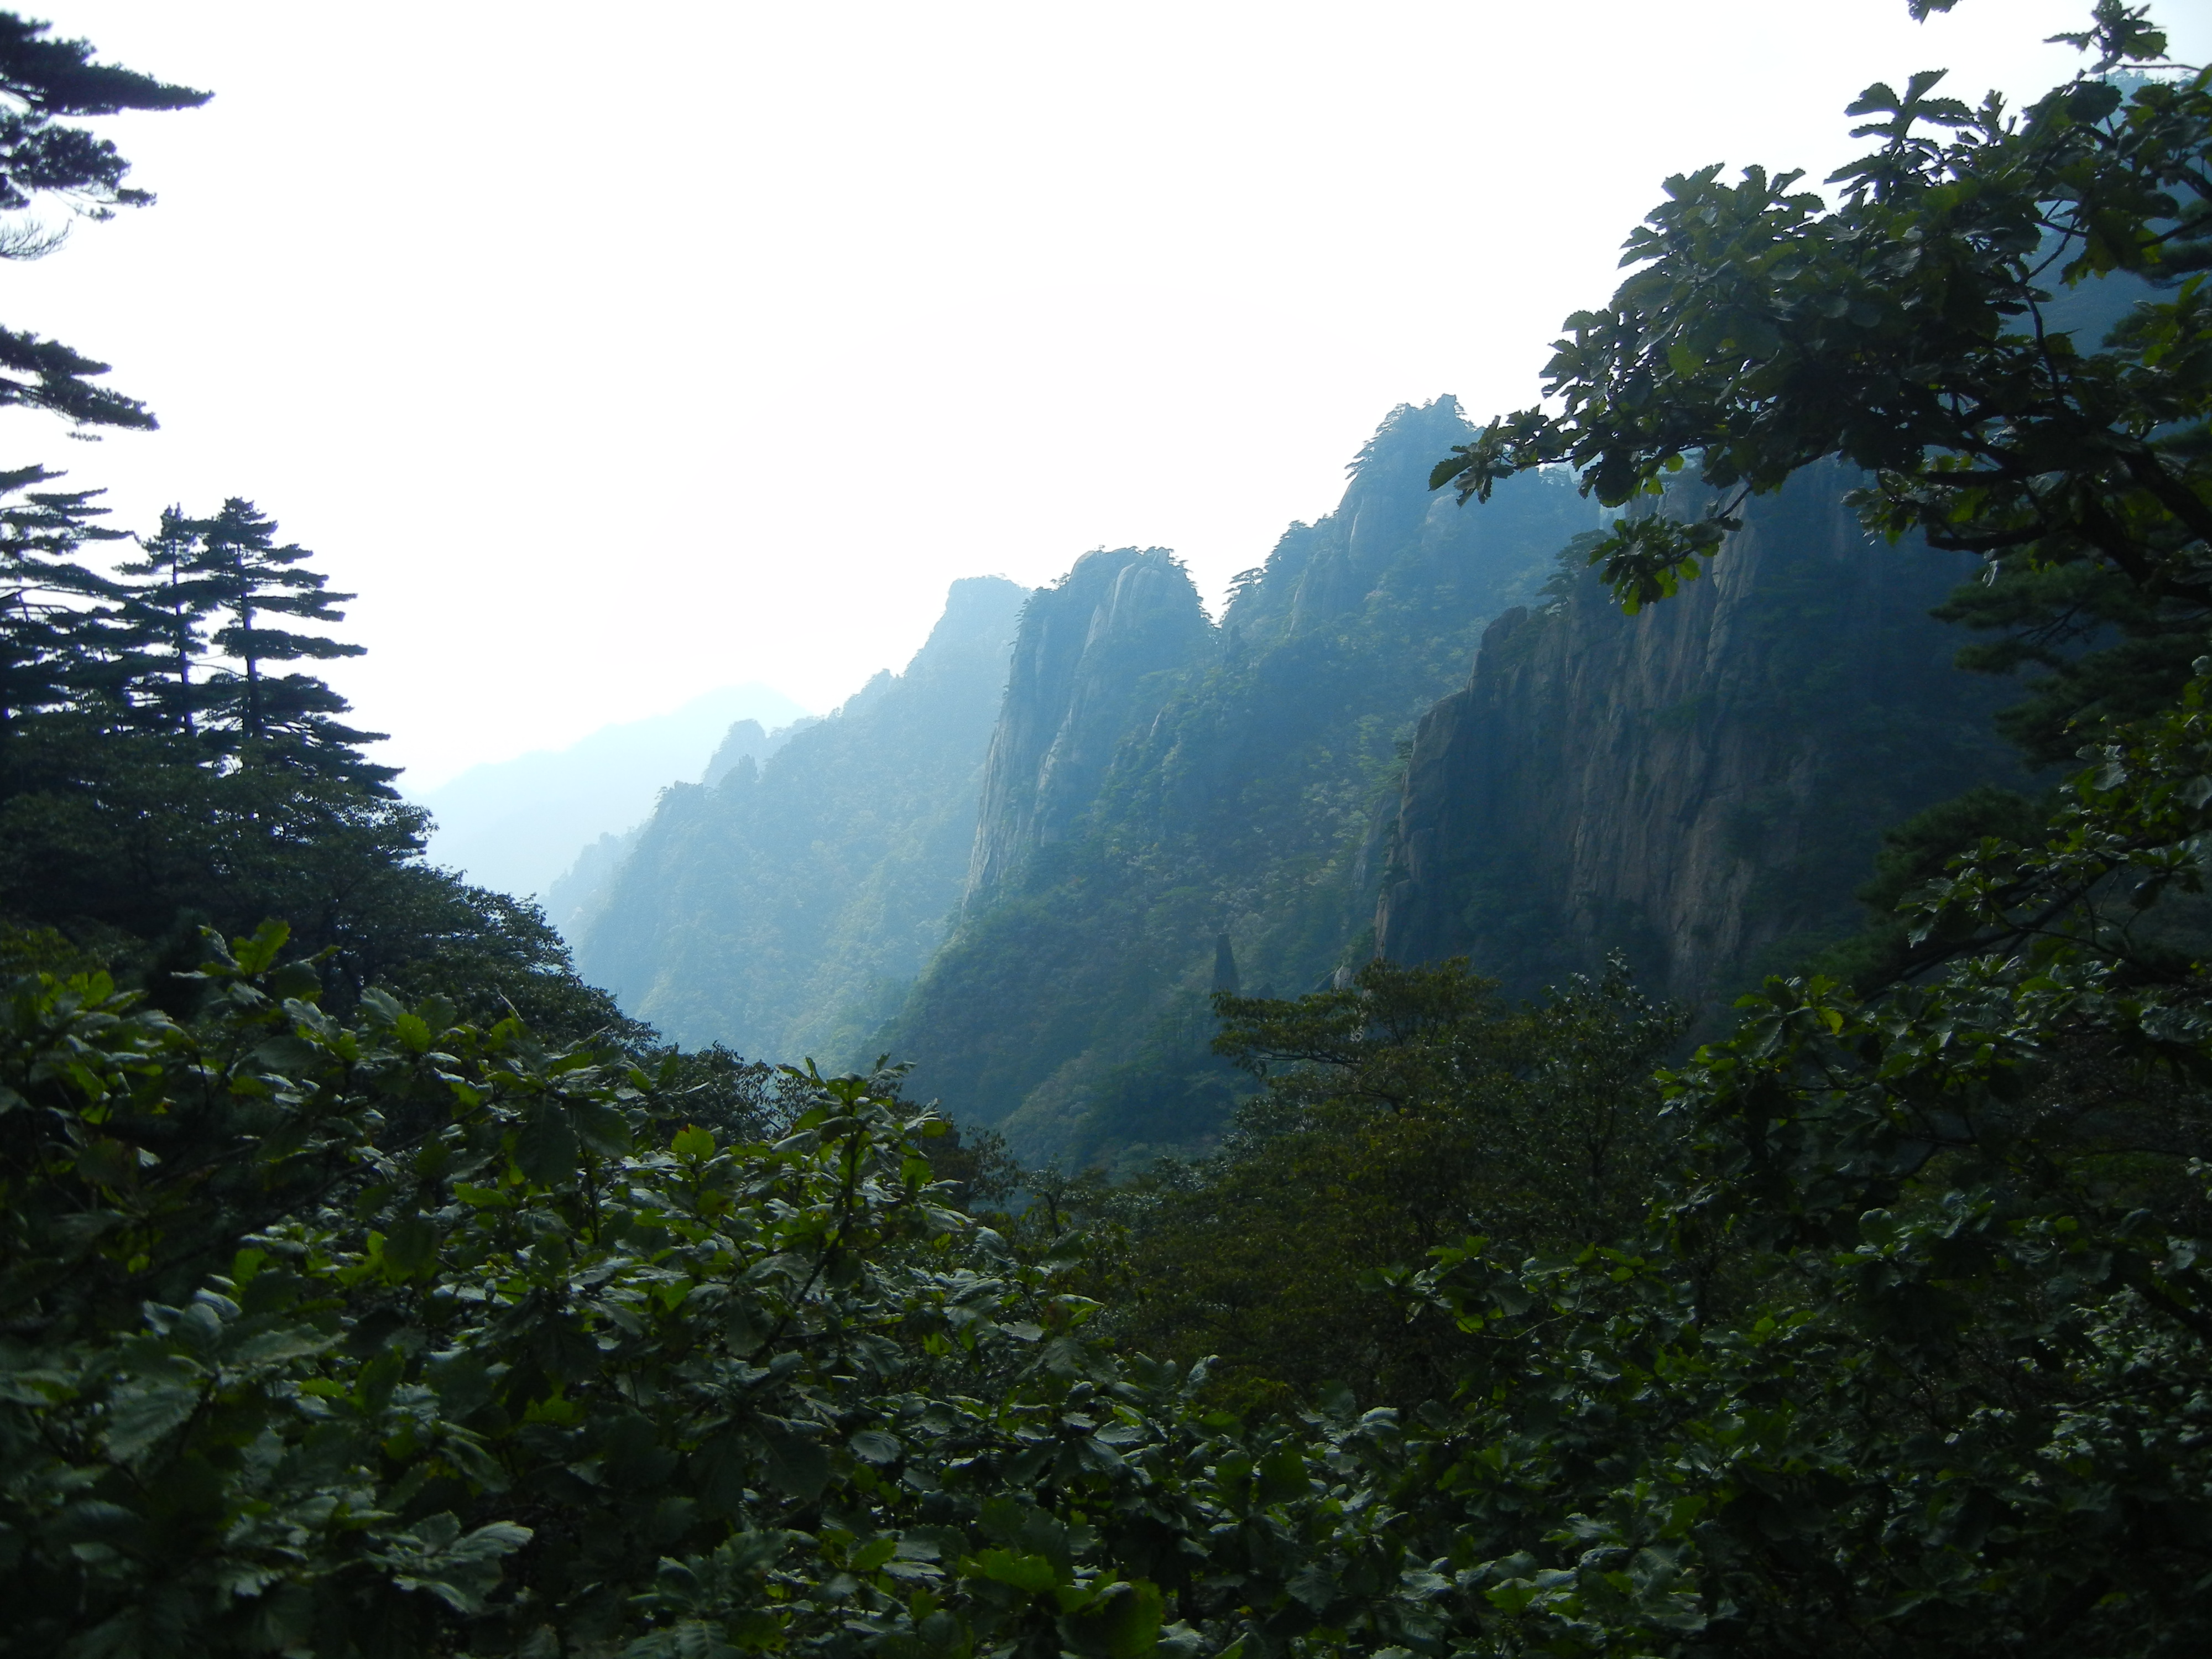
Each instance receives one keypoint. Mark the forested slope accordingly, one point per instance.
(516, 824)
(773, 910)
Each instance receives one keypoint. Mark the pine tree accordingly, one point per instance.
(64, 634)
(172, 609)
(249, 578)
(42, 83)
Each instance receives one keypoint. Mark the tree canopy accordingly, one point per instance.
(1912, 330)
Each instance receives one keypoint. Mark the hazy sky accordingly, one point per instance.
(613, 355)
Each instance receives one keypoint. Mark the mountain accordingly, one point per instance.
(1172, 809)
(516, 824)
(1157, 783)
(747, 740)
(1419, 729)
(577, 897)
(783, 909)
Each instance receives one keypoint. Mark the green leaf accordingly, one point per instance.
(874, 1446)
(797, 1463)
(279, 1345)
(259, 954)
(460, 1571)
(872, 1554)
(1122, 1623)
(411, 1248)
(602, 1128)
(1031, 1573)
(545, 1149)
(1283, 1476)
(143, 1412)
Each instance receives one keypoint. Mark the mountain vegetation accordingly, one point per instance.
(576, 900)
(365, 1306)
(1176, 811)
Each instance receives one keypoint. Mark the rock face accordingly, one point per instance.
(779, 909)
(1700, 786)
(1095, 657)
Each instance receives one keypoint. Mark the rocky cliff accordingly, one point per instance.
(784, 909)
(1096, 656)
(1700, 786)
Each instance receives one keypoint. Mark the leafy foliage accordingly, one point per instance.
(443, 1258)
(149, 787)
(413, 1337)
(153, 777)
(64, 631)
(1906, 331)
(389, 1328)
(1400, 1113)
(215, 585)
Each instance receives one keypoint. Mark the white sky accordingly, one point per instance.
(612, 355)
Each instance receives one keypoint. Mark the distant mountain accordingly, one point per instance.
(576, 899)
(515, 825)
(746, 741)
(1094, 646)
(784, 908)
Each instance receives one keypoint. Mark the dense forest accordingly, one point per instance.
(1578, 1074)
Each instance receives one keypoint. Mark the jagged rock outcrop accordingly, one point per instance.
(783, 910)
(747, 740)
(1096, 656)
(1700, 786)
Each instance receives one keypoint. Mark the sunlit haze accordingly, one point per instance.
(612, 355)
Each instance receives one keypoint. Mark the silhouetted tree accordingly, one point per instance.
(61, 631)
(172, 609)
(251, 577)
(43, 83)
